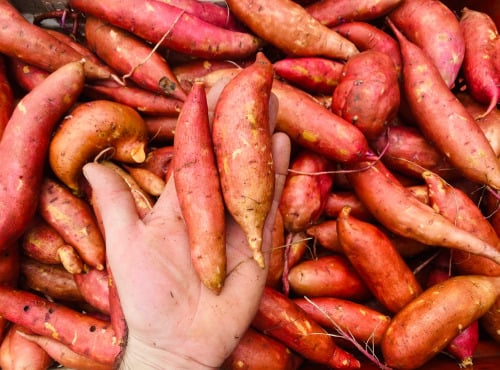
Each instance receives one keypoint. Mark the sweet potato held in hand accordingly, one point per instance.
(242, 142)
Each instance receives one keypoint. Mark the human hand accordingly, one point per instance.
(173, 320)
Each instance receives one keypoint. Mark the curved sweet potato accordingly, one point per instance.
(25, 143)
(91, 128)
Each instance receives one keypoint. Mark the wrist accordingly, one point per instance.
(139, 355)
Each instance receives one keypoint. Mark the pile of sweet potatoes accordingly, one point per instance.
(386, 247)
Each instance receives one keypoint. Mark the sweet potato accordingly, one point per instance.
(434, 28)
(314, 127)
(26, 75)
(83, 333)
(146, 179)
(74, 220)
(132, 57)
(366, 36)
(10, 259)
(368, 93)
(52, 281)
(159, 159)
(16, 352)
(370, 251)
(365, 324)
(443, 119)
(256, 351)
(91, 128)
(328, 276)
(63, 355)
(307, 186)
(291, 29)
(6, 95)
(407, 151)
(427, 324)
(144, 101)
(276, 268)
(211, 12)
(202, 207)
(244, 161)
(334, 12)
(296, 246)
(480, 73)
(313, 74)
(490, 321)
(94, 288)
(337, 199)
(399, 211)
(34, 45)
(44, 244)
(161, 128)
(154, 20)
(282, 319)
(25, 143)
(455, 205)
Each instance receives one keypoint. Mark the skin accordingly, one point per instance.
(173, 320)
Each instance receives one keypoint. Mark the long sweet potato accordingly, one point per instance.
(335, 12)
(428, 323)
(443, 119)
(279, 317)
(132, 57)
(34, 45)
(480, 74)
(291, 29)
(154, 20)
(241, 135)
(399, 211)
(89, 129)
(370, 251)
(435, 29)
(202, 206)
(94, 288)
(25, 143)
(83, 333)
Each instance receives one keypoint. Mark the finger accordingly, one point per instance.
(111, 198)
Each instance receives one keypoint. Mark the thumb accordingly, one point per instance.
(112, 200)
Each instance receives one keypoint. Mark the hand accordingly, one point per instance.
(173, 320)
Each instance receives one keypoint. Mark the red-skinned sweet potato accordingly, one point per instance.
(202, 207)
(94, 288)
(399, 211)
(247, 178)
(154, 20)
(24, 146)
(291, 29)
(480, 73)
(16, 352)
(316, 75)
(435, 29)
(34, 45)
(307, 186)
(74, 220)
(366, 36)
(370, 251)
(256, 351)
(6, 95)
(132, 57)
(443, 119)
(427, 324)
(25, 75)
(328, 276)
(368, 93)
(146, 179)
(334, 12)
(365, 324)
(83, 333)
(276, 268)
(280, 318)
